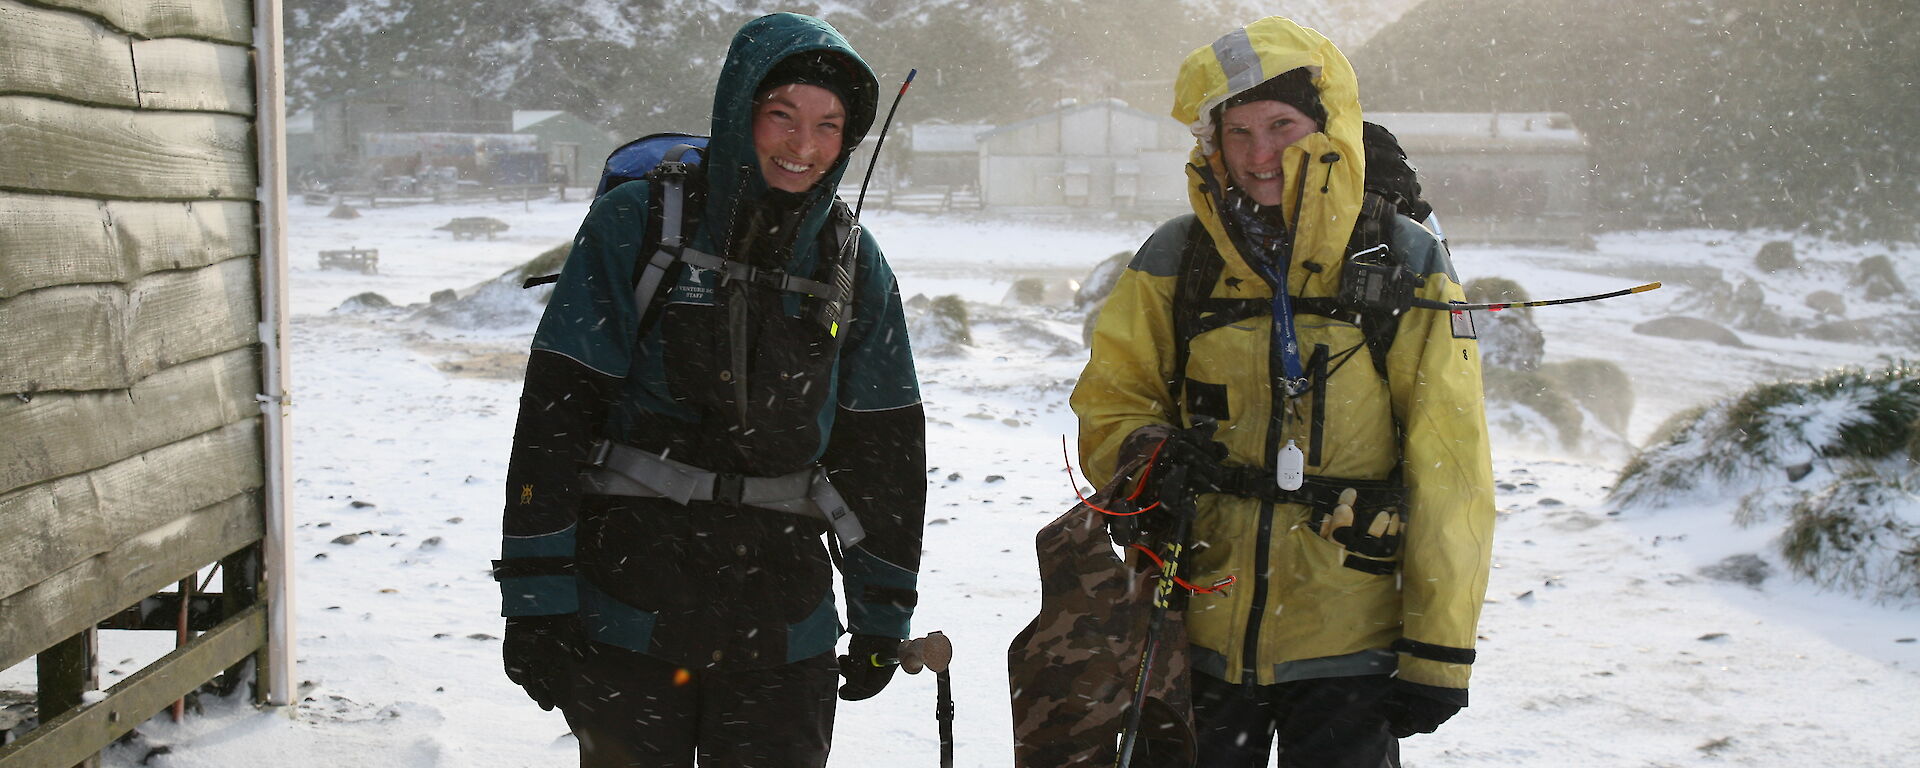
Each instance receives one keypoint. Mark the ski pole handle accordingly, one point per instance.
(933, 652)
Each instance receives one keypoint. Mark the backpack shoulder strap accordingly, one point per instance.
(669, 197)
(1199, 269)
(1379, 325)
(840, 251)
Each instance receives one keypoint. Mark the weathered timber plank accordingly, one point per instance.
(54, 241)
(52, 526)
(48, 241)
(64, 338)
(58, 147)
(177, 73)
(70, 738)
(175, 317)
(53, 53)
(157, 236)
(107, 336)
(67, 602)
(66, 433)
(225, 20)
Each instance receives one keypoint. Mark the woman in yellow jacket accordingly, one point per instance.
(1350, 618)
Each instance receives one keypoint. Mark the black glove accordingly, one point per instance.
(1412, 708)
(540, 653)
(1194, 449)
(868, 665)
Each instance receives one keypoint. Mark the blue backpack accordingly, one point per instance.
(637, 158)
(666, 159)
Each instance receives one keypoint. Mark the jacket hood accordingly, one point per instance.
(732, 167)
(1325, 171)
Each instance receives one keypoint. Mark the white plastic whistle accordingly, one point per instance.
(1290, 467)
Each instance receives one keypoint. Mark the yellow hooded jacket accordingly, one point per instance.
(1295, 610)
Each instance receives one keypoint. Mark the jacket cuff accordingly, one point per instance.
(539, 595)
(880, 595)
(536, 574)
(1428, 672)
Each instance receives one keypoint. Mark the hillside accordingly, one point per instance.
(1699, 112)
(638, 65)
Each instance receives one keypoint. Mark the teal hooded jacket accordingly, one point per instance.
(728, 377)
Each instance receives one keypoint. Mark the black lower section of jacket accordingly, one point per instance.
(724, 582)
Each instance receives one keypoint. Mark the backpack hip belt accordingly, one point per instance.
(622, 470)
(1319, 494)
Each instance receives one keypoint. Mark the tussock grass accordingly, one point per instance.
(1834, 456)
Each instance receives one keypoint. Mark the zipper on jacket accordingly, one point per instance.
(1250, 650)
(1276, 428)
(1317, 372)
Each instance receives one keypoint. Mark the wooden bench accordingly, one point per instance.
(366, 260)
(469, 227)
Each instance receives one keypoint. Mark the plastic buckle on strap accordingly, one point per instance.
(768, 278)
(728, 487)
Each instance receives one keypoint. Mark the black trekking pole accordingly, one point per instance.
(874, 162)
(934, 652)
(1173, 494)
(1497, 306)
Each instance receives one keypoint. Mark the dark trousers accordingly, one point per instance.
(1331, 722)
(629, 711)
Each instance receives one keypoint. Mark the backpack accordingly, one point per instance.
(1376, 286)
(666, 160)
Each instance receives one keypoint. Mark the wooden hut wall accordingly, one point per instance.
(129, 305)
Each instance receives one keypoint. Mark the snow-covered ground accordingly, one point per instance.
(1602, 644)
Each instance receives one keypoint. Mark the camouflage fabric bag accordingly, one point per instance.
(1072, 670)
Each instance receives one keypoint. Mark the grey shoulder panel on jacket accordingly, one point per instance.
(1160, 255)
(1424, 253)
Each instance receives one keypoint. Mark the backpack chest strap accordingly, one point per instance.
(732, 271)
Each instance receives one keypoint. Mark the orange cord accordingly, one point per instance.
(1220, 587)
(1136, 491)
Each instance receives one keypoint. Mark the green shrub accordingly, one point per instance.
(1601, 386)
(1542, 395)
(1854, 526)
(1849, 536)
(1848, 414)
(950, 312)
(547, 263)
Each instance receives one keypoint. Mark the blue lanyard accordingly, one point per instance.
(1283, 326)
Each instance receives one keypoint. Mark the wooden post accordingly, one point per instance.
(240, 588)
(180, 635)
(66, 671)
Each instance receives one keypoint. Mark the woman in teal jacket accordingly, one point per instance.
(654, 587)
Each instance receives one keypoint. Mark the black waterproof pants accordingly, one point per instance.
(628, 711)
(1332, 722)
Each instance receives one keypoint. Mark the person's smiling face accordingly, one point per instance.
(1252, 136)
(797, 134)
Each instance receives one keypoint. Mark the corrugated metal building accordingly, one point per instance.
(353, 135)
(1499, 177)
(1100, 156)
(574, 147)
(945, 154)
